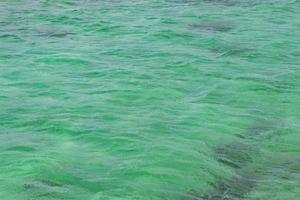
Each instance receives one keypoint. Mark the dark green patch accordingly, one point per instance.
(21, 149)
(10, 38)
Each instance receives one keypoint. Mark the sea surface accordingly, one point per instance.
(149, 99)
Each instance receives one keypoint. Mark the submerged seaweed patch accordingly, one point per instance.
(235, 188)
(235, 154)
(229, 189)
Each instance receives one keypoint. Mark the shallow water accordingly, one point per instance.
(170, 99)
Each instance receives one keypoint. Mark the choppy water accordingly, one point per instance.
(150, 100)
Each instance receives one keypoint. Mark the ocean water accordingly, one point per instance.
(149, 100)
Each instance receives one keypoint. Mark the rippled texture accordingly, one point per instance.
(149, 100)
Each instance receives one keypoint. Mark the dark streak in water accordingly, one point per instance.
(56, 34)
(231, 50)
(216, 26)
(51, 183)
(216, 2)
(39, 182)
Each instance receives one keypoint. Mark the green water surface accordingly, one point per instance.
(149, 99)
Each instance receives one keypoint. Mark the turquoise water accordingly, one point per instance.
(149, 100)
